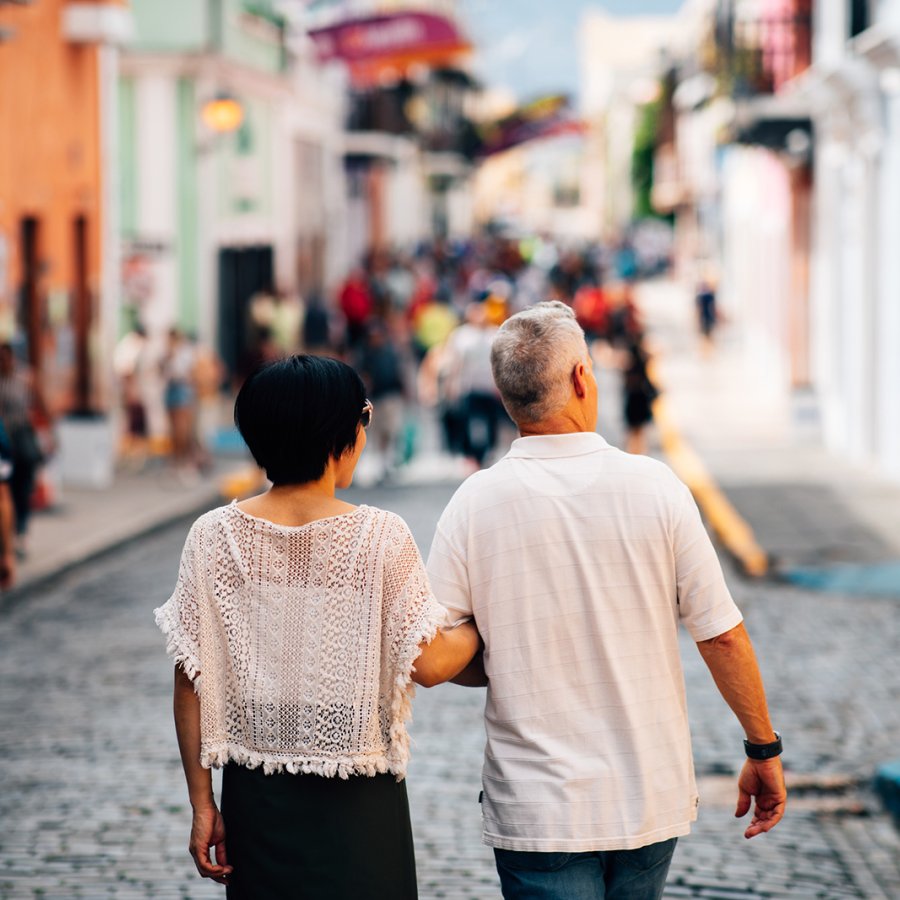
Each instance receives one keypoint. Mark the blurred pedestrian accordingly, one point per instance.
(706, 309)
(304, 701)
(21, 403)
(433, 386)
(263, 349)
(180, 399)
(626, 261)
(356, 302)
(209, 377)
(638, 394)
(316, 326)
(622, 319)
(433, 322)
(591, 311)
(578, 562)
(381, 366)
(131, 365)
(568, 275)
(471, 384)
(7, 515)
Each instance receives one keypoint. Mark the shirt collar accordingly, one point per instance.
(551, 446)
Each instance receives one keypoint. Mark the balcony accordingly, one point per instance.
(762, 45)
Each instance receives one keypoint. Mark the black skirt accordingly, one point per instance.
(304, 837)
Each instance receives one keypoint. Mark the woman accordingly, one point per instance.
(639, 393)
(295, 626)
(180, 398)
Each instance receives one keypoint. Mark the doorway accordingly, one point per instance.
(243, 272)
(31, 312)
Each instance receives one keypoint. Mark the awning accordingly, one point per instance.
(390, 44)
(549, 116)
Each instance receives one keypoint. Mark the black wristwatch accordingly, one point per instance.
(764, 751)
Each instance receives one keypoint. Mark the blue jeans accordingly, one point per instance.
(598, 875)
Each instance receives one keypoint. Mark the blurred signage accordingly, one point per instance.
(548, 116)
(146, 246)
(390, 41)
(139, 259)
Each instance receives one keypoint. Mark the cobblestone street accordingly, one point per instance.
(93, 803)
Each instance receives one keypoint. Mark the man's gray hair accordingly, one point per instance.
(532, 358)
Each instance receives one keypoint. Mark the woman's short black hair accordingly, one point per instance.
(297, 413)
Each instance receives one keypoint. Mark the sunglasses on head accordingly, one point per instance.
(365, 418)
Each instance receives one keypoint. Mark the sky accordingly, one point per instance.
(530, 46)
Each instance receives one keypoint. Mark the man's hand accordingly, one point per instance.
(208, 830)
(764, 780)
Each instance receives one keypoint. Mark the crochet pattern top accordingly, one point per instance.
(300, 640)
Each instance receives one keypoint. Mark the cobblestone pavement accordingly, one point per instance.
(92, 802)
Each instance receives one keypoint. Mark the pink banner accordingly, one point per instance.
(405, 35)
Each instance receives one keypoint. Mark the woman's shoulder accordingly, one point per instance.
(389, 526)
(208, 522)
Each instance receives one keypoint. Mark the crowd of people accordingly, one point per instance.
(419, 328)
(179, 383)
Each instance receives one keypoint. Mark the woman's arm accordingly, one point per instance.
(207, 827)
(447, 655)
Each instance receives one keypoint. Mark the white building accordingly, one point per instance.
(622, 59)
(854, 91)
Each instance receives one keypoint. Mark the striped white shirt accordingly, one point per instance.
(578, 561)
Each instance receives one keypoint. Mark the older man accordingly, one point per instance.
(578, 562)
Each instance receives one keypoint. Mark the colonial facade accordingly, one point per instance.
(232, 169)
(58, 233)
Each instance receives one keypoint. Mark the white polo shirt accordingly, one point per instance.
(578, 561)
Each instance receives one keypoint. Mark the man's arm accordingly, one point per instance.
(733, 665)
(473, 675)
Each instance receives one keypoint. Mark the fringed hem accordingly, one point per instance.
(218, 755)
(404, 689)
(181, 656)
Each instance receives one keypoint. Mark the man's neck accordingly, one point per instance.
(555, 425)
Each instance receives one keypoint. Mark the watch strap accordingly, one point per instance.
(764, 751)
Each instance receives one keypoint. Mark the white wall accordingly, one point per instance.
(855, 309)
(756, 258)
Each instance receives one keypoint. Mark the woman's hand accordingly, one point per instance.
(207, 827)
(208, 830)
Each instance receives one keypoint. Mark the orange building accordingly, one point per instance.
(58, 270)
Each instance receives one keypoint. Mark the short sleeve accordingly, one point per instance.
(179, 616)
(411, 612)
(448, 571)
(705, 605)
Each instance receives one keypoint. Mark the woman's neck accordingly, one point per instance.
(297, 504)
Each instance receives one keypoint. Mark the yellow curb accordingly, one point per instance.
(731, 529)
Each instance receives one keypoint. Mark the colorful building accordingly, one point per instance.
(58, 257)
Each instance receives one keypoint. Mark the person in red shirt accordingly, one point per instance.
(356, 304)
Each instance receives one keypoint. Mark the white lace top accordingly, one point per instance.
(300, 640)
